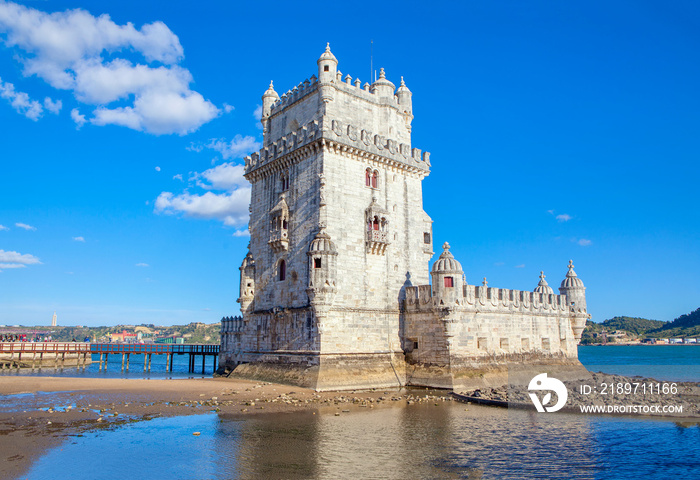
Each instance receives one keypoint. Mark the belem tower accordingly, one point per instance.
(335, 290)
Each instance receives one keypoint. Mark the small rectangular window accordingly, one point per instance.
(545, 344)
(426, 237)
(415, 345)
(325, 68)
(317, 263)
(449, 282)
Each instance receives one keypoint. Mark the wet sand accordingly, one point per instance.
(38, 413)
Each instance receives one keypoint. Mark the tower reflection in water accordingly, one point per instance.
(418, 441)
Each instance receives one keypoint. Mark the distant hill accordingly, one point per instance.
(687, 325)
(633, 326)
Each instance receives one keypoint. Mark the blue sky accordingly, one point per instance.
(557, 130)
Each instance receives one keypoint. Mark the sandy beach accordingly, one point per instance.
(37, 413)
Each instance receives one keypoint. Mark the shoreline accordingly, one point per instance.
(39, 413)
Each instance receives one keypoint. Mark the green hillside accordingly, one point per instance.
(687, 325)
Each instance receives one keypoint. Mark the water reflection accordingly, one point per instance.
(418, 441)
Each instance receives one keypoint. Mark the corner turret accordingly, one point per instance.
(327, 66)
(448, 278)
(269, 98)
(247, 287)
(322, 270)
(403, 97)
(573, 288)
(575, 292)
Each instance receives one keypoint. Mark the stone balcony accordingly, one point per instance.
(377, 241)
(279, 240)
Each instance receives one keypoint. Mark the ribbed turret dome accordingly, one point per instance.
(571, 280)
(543, 286)
(447, 263)
(403, 88)
(327, 55)
(270, 92)
(322, 244)
(383, 81)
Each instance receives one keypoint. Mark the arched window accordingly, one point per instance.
(375, 224)
(368, 178)
(284, 224)
(375, 176)
(283, 270)
(285, 182)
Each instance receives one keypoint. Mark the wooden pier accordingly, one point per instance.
(18, 354)
(38, 354)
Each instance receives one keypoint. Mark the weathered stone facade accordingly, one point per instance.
(335, 289)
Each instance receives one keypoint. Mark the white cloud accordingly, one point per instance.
(11, 265)
(76, 51)
(563, 217)
(9, 259)
(142, 265)
(157, 169)
(228, 108)
(53, 106)
(79, 239)
(20, 101)
(257, 113)
(195, 147)
(241, 233)
(3, 227)
(230, 207)
(522, 265)
(584, 242)
(178, 177)
(77, 118)
(25, 226)
(227, 176)
(239, 147)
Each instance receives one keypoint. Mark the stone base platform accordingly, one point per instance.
(328, 372)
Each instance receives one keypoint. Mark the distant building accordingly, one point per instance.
(335, 289)
(53, 320)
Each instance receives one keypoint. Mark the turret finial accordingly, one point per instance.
(381, 73)
(328, 46)
(485, 282)
(446, 246)
(403, 84)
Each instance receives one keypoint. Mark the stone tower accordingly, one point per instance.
(337, 232)
(335, 287)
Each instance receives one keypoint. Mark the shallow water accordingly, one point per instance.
(417, 441)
